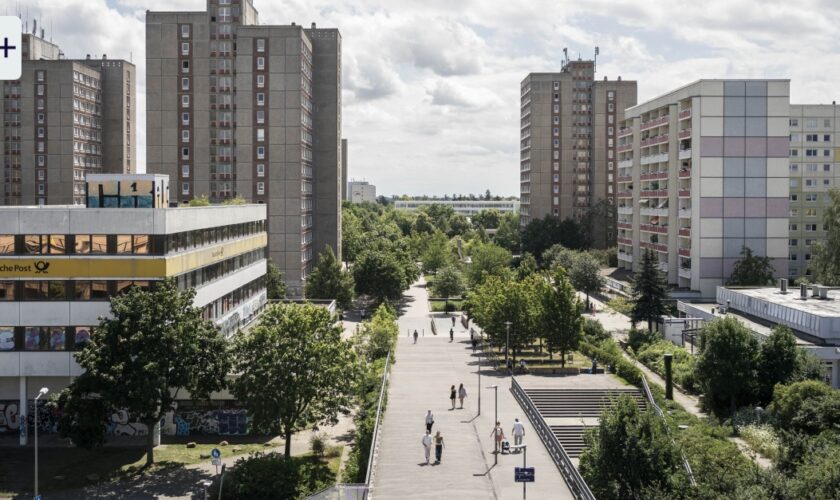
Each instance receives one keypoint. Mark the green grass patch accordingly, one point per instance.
(439, 305)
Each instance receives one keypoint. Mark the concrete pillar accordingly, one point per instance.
(23, 410)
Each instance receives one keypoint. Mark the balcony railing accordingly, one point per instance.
(625, 163)
(624, 225)
(654, 229)
(685, 133)
(662, 174)
(684, 193)
(654, 158)
(654, 122)
(625, 210)
(659, 212)
(625, 256)
(685, 154)
(652, 141)
(624, 147)
(625, 241)
(685, 252)
(685, 173)
(622, 132)
(685, 213)
(685, 273)
(685, 113)
(624, 194)
(659, 247)
(624, 178)
(654, 193)
(685, 232)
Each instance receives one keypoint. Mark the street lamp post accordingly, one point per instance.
(495, 388)
(479, 382)
(507, 343)
(42, 392)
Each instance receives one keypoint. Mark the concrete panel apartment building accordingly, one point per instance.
(65, 118)
(702, 172)
(235, 108)
(568, 143)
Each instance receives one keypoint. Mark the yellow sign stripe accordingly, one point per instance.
(135, 266)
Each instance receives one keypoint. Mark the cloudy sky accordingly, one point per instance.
(431, 87)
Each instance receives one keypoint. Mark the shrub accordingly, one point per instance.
(808, 407)
(272, 475)
(594, 332)
(638, 338)
(652, 356)
(318, 444)
(620, 305)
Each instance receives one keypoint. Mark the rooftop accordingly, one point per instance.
(829, 308)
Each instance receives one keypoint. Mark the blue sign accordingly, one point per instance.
(215, 453)
(524, 474)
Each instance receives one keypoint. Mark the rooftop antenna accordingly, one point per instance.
(565, 56)
(595, 59)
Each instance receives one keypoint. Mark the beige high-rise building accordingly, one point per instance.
(235, 108)
(567, 146)
(63, 119)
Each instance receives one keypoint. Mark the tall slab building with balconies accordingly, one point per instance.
(568, 145)
(703, 173)
(239, 109)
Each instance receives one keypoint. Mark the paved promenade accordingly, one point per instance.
(420, 381)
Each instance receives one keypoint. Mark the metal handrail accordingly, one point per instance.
(375, 441)
(658, 410)
(564, 464)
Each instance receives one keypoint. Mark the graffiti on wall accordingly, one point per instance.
(191, 421)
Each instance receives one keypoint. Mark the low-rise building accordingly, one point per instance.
(361, 192)
(467, 208)
(59, 266)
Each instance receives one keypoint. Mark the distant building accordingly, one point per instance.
(361, 192)
(467, 208)
(64, 119)
(813, 313)
(59, 266)
(567, 138)
(702, 173)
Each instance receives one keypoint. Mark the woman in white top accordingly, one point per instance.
(462, 393)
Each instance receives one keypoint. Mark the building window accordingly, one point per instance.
(611, 95)
(261, 63)
(260, 152)
(185, 153)
(827, 123)
(794, 152)
(185, 48)
(185, 136)
(260, 116)
(794, 167)
(185, 66)
(42, 174)
(260, 81)
(556, 165)
(260, 170)
(260, 44)
(556, 108)
(260, 99)
(185, 118)
(185, 188)
(185, 31)
(794, 122)
(810, 197)
(133, 243)
(793, 227)
(556, 85)
(261, 188)
(41, 117)
(185, 101)
(556, 120)
(793, 242)
(793, 197)
(185, 171)
(39, 75)
(826, 152)
(185, 84)
(91, 243)
(611, 106)
(810, 122)
(810, 228)
(826, 168)
(260, 135)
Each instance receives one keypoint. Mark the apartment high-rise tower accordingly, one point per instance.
(567, 146)
(239, 109)
(63, 119)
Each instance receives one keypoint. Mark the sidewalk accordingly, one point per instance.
(420, 381)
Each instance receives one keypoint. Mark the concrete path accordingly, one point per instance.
(420, 381)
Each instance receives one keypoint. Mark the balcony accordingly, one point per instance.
(624, 178)
(624, 194)
(685, 133)
(654, 158)
(685, 213)
(685, 113)
(653, 141)
(685, 232)
(685, 173)
(656, 212)
(624, 225)
(685, 252)
(654, 193)
(623, 132)
(624, 210)
(625, 163)
(624, 241)
(659, 247)
(624, 147)
(685, 273)
(662, 266)
(653, 229)
(647, 176)
(625, 257)
(654, 123)
(684, 193)
(685, 154)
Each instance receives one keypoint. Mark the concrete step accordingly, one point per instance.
(578, 402)
(571, 437)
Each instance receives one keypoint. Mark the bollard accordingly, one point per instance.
(669, 384)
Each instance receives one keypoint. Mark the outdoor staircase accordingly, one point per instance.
(576, 403)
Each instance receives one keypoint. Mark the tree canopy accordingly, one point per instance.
(649, 291)
(560, 314)
(381, 276)
(294, 370)
(488, 260)
(540, 234)
(448, 282)
(488, 219)
(585, 274)
(328, 280)
(751, 270)
(274, 285)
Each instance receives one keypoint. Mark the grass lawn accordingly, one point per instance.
(437, 306)
(534, 359)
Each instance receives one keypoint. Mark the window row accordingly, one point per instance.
(215, 271)
(60, 244)
(44, 338)
(64, 290)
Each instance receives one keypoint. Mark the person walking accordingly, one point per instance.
(498, 435)
(438, 447)
(451, 335)
(415, 336)
(453, 321)
(430, 421)
(427, 444)
(518, 431)
(462, 393)
(452, 395)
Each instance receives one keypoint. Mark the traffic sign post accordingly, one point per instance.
(523, 474)
(10, 48)
(216, 458)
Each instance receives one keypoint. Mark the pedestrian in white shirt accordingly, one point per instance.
(427, 444)
(518, 431)
(430, 420)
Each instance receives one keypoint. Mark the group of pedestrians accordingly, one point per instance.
(429, 440)
(502, 444)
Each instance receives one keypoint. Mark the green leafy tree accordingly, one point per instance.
(379, 334)
(826, 261)
(488, 219)
(808, 407)
(585, 274)
(329, 281)
(458, 225)
(649, 291)
(437, 254)
(294, 370)
(560, 317)
(818, 474)
(424, 224)
(488, 260)
(448, 283)
(154, 345)
(508, 235)
(751, 270)
(726, 366)
(540, 234)
(499, 300)
(274, 285)
(440, 215)
(379, 275)
(777, 363)
(630, 454)
(527, 266)
(558, 255)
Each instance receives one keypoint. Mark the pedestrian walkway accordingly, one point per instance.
(420, 381)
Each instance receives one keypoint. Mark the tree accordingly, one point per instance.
(649, 291)
(560, 317)
(488, 219)
(630, 453)
(154, 345)
(448, 283)
(458, 225)
(751, 270)
(540, 234)
(527, 266)
(488, 259)
(379, 275)
(808, 407)
(499, 300)
(437, 252)
(508, 234)
(777, 362)
(274, 285)
(424, 224)
(826, 261)
(294, 370)
(585, 274)
(726, 366)
(558, 255)
(379, 334)
(329, 281)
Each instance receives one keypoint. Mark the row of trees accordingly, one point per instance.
(293, 368)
